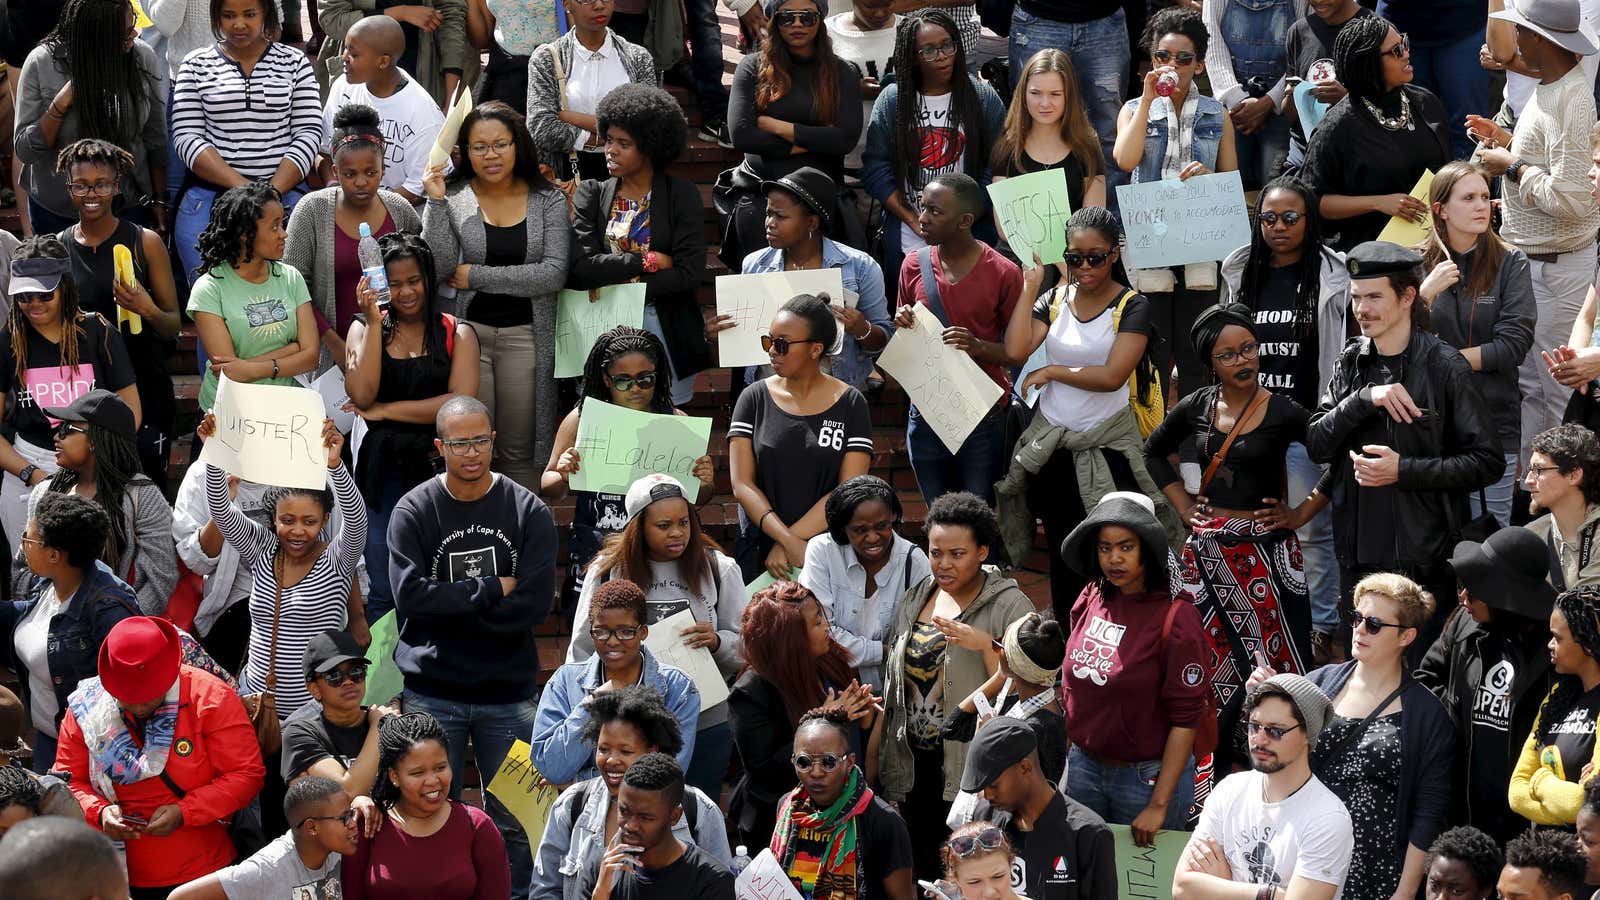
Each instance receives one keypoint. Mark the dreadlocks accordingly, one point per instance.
(398, 245)
(612, 346)
(1581, 608)
(116, 466)
(1253, 283)
(95, 152)
(966, 113)
(109, 86)
(230, 237)
(396, 736)
(773, 77)
(49, 246)
(1358, 57)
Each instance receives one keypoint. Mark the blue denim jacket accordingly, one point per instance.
(76, 632)
(863, 276)
(1207, 139)
(557, 747)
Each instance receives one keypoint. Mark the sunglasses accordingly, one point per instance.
(802, 17)
(967, 844)
(1183, 57)
(1373, 624)
(781, 346)
(600, 635)
(643, 382)
(67, 428)
(1290, 218)
(26, 299)
(1092, 260)
(1275, 732)
(337, 677)
(803, 762)
(1400, 50)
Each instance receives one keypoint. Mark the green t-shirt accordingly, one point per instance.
(261, 318)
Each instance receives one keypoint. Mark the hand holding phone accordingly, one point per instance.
(940, 890)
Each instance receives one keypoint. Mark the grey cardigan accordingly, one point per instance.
(310, 245)
(553, 137)
(453, 228)
(150, 553)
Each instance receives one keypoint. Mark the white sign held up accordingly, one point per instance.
(764, 879)
(753, 300)
(269, 434)
(950, 392)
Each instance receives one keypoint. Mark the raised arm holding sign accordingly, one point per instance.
(1176, 222)
(1032, 212)
(269, 434)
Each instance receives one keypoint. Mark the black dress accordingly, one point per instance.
(400, 455)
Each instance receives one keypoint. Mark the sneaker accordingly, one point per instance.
(716, 131)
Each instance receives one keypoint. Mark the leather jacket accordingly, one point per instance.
(1444, 456)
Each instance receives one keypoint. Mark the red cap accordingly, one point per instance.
(139, 659)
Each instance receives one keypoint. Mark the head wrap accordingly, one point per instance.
(1209, 324)
(1018, 661)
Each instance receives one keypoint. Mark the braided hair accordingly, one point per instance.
(321, 496)
(355, 127)
(1358, 57)
(396, 736)
(612, 346)
(398, 245)
(966, 111)
(19, 787)
(229, 239)
(116, 466)
(95, 152)
(49, 246)
(110, 87)
(830, 715)
(1581, 608)
(1253, 283)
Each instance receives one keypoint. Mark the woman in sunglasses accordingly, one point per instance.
(977, 864)
(614, 624)
(1562, 754)
(1179, 135)
(795, 436)
(1479, 292)
(1298, 292)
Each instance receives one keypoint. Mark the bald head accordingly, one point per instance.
(381, 35)
(56, 858)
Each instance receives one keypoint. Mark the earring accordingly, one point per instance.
(809, 233)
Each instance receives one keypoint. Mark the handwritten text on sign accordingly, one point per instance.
(1145, 873)
(1173, 223)
(579, 322)
(525, 795)
(753, 301)
(764, 879)
(617, 446)
(1033, 211)
(950, 392)
(268, 434)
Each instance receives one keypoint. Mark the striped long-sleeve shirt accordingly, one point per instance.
(254, 121)
(312, 605)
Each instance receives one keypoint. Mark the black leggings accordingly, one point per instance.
(1053, 498)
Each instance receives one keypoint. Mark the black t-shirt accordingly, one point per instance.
(798, 457)
(885, 847)
(1489, 763)
(102, 363)
(1571, 730)
(1052, 861)
(504, 245)
(309, 738)
(1253, 468)
(1287, 363)
(1375, 506)
(1070, 166)
(694, 875)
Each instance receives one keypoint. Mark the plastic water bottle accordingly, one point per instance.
(741, 859)
(1166, 84)
(372, 264)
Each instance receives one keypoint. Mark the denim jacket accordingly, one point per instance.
(837, 578)
(862, 276)
(76, 632)
(557, 747)
(1207, 137)
(573, 845)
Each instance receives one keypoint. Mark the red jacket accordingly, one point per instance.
(216, 761)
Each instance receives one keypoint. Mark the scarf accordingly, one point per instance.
(115, 757)
(818, 848)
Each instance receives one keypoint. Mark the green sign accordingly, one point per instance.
(384, 681)
(765, 580)
(580, 320)
(1032, 211)
(618, 446)
(1145, 873)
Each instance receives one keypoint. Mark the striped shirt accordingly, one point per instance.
(254, 121)
(314, 604)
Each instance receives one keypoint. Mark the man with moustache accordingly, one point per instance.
(1406, 434)
(1276, 826)
(1563, 482)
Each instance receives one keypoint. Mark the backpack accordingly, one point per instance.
(1149, 406)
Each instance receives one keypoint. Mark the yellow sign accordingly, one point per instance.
(140, 20)
(524, 791)
(1405, 232)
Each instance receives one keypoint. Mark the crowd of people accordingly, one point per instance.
(1322, 606)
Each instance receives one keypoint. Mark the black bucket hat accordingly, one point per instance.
(1508, 571)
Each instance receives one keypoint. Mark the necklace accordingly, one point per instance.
(1393, 123)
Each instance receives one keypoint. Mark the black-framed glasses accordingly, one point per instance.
(337, 677)
(346, 818)
(1183, 57)
(804, 761)
(938, 51)
(470, 445)
(644, 381)
(589, 2)
(1275, 732)
(1536, 471)
(1092, 260)
(990, 838)
(781, 346)
(1400, 50)
(67, 428)
(1373, 624)
(805, 18)
(1290, 218)
(499, 148)
(1246, 351)
(102, 189)
(600, 635)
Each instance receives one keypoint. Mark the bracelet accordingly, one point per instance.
(763, 518)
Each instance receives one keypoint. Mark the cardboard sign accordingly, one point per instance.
(330, 387)
(1177, 222)
(666, 643)
(951, 393)
(1405, 232)
(1310, 109)
(451, 129)
(753, 300)
(524, 792)
(618, 446)
(1032, 211)
(765, 879)
(1145, 873)
(384, 681)
(579, 322)
(269, 434)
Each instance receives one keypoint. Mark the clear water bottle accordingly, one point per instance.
(741, 859)
(1166, 84)
(372, 264)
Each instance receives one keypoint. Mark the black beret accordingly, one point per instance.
(1375, 258)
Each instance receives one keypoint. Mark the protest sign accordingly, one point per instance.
(1311, 109)
(752, 301)
(765, 580)
(1145, 873)
(1173, 222)
(1032, 211)
(764, 879)
(618, 446)
(579, 322)
(950, 392)
(140, 18)
(524, 792)
(384, 681)
(1405, 232)
(330, 387)
(451, 129)
(666, 643)
(269, 434)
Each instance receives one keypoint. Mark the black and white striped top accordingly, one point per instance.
(311, 606)
(254, 121)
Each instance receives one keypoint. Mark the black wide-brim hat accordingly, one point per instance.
(1116, 508)
(1508, 571)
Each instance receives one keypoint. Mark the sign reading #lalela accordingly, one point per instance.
(1173, 223)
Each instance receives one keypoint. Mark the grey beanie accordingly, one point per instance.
(771, 6)
(1313, 704)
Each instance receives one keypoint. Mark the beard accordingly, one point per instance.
(1267, 767)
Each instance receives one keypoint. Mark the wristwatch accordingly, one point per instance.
(1514, 171)
(651, 261)
(27, 473)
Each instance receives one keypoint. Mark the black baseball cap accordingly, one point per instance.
(97, 407)
(330, 648)
(1001, 743)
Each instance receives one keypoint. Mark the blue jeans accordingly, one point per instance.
(194, 214)
(705, 58)
(44, 753)
(682, 388)
(1100, 58)
(1499, 493)
(1316, 542)
(713, 747)
(492, 727)
(1452, 71)
(1261, 155)
(975, 467)
(1120, 793)
(380, 598)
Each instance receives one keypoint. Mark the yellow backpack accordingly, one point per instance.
(1149, 406)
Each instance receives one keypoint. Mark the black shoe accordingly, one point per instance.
(716, 131)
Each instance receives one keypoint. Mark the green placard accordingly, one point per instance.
(1032, 211)
(384, 681)
(579, 321)
(617, 446)
(1145, 873)
(765, 580)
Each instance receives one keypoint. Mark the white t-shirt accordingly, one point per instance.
(1307, 834)
(1071, 342)
(276, 871)
(871, 51)
(31, 640)
(943, 150)
(409, 120)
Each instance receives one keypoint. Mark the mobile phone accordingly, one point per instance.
(131, 819)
